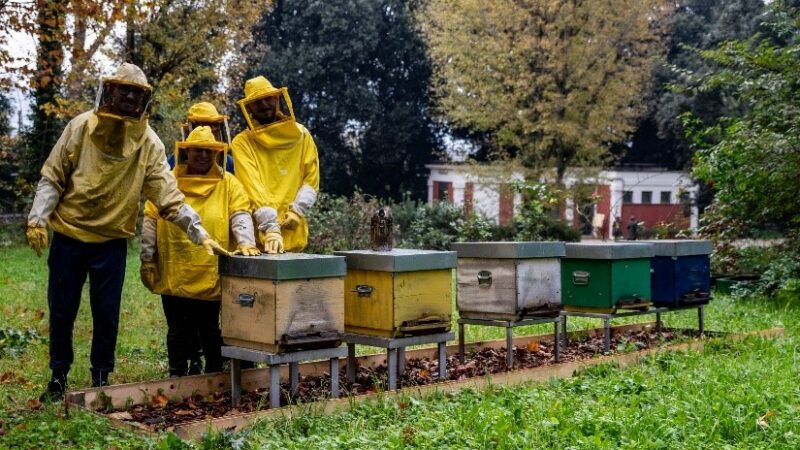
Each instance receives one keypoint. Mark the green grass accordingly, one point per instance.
(711, 399)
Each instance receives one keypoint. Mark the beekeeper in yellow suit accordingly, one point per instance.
(186, 278)
(276, 161)
(89, 195)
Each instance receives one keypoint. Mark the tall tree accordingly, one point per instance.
(50, 26)
(359, 76)
(695, 25)
(185, 48)
(554, 81)
(753, 159)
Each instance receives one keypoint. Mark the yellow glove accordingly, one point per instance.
(247, 250)
(213, 248)
(37, 238)
(149, 274)
(290, 221)
(273, 242)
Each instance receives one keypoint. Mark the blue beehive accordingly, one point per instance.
(681, 272)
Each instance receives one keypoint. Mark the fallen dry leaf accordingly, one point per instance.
(424, 373)
(159, 400)
(183, 412)
(34, 403)
(762, 421)
(121, 415)
(6, 377)
(39, 314)
(533, 346)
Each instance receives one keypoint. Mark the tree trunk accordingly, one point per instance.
(47, 83)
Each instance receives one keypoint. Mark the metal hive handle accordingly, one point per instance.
(246, 300)
(484, 278)
(363, 290)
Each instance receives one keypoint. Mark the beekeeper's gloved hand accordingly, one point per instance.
(291, 220)
(213, 248)
(148, 272)
(247, 250)
(273, 242)
(37, 238)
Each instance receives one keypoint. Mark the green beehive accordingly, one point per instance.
(605, 277)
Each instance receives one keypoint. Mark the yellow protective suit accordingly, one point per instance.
(100, 185)
(184, 269)
(274, 163)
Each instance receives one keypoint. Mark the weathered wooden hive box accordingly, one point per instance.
(395, 293)
(286, 302)
(605, 276)
(681, 272)
(508, 280)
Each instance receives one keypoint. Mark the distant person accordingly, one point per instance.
(597, 226)
(616, 229)
(633, 229)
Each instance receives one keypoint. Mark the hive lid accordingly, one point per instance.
(513, 250)
(681, 247)
(399, 260)
(287, 266)
(615, 250)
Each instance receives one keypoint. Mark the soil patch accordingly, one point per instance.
(162, 414)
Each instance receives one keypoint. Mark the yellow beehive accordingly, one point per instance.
(399, 292)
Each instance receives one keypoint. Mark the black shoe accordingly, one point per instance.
(195, 367)
(99, 378)
(55, 391)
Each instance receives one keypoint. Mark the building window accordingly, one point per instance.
(647, 197)
(666, 197)
(627, 196)
(442, 191)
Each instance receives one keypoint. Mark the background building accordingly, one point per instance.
(650, 195)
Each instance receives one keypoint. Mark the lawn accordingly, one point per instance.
(730, 395)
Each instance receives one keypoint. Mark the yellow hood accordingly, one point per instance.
(199, 185)
(279, 135)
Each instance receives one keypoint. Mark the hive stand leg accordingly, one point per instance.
(658, 323)
(461, 343)
(294, 377)
(274, 386)
(351, 363)
(556, 342)
(442, 360)
(334, 377)
(564, 330)
(391, 363)
(509, 346)
(401, 362)
(606, 335)
(701, 319)
(236, 382)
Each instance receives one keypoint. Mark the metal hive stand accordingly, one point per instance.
(607, 318)
(509, 325)
(274, 361)
(396, 352)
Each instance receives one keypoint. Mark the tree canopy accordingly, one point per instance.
(752, 160)
(555, 82)
(359, 76)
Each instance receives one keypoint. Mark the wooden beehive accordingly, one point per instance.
(280, 303)
(681, 272)
(604, 277)
(508, 280)
(399, 292)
